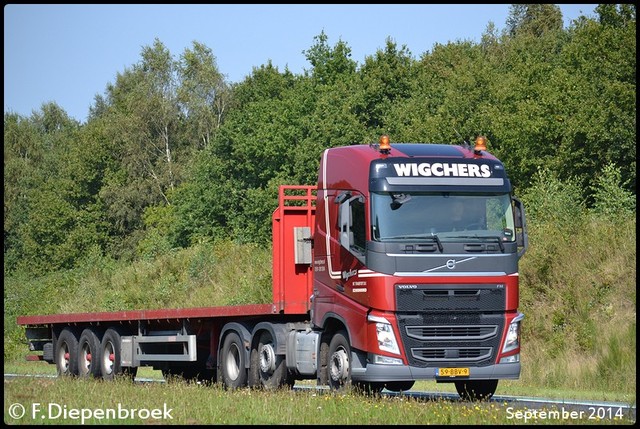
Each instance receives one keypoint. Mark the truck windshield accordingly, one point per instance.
(449, 215)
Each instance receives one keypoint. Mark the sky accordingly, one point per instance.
(68, 54)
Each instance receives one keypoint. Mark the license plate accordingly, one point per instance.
(453, 372)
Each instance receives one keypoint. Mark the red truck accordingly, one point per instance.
(400, 265)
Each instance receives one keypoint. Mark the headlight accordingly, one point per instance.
(384, 333)
(512, 341)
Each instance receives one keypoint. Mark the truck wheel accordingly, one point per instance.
(476, 390)
(339, 362)
(233, 365)
(111, 355)
(267, 369)
(67, 353)
(323, 373)
(89, 354)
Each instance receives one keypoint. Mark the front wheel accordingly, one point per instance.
(476, 390)
(339, 362)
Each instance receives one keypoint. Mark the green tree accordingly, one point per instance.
(146, 141)
(23, 157)
(203, 94)
(533, 19)
(611, 199)
(385, 79)
(329, 64)
(54, 219)
(616, 15)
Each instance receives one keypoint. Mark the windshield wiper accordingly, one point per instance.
(499, 240)
(437, 240)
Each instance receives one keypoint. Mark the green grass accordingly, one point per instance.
(505, 387)
(77, 401)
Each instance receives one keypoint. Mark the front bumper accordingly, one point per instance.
(376, 372)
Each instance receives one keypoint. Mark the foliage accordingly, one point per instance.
(173, 155)
(551, 200)
(578, 294)
(611, 198)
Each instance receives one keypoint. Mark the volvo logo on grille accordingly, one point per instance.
(451, 264)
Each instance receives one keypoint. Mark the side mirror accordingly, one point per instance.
(522, 238)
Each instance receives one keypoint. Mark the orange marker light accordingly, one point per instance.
(385, 145)
(481, 144)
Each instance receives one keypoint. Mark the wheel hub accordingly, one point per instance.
(267, 358)
(339, 367)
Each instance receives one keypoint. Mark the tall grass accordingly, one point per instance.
(578, 286)
(578, 293)
(87, 401)
(203, 275)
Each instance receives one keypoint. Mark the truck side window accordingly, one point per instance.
(358, 225)
(352, 224)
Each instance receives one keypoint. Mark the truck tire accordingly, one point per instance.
(267, 370)
(66, 355)
(339, 362)
(111, 355)
(476, 390)
(89, 354)
(233, 367)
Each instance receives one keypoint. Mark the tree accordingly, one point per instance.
(616, 15)
(52, 217)
(144, 129)
(384, 80)
(329, 64)
(203, 94)
(533, 19)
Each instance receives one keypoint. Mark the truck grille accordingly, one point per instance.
(432, 333)
(470, 354)
(451, 324)
(452, 297)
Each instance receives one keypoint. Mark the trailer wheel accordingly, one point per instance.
(233, 365)
(111, 355)
(67, 353)
(476, 390)
(267, 369)
(339, 362)
(89, 354)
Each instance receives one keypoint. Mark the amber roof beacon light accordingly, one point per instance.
(481, 144)
(385, 145)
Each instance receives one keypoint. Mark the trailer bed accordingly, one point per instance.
(159, 314)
